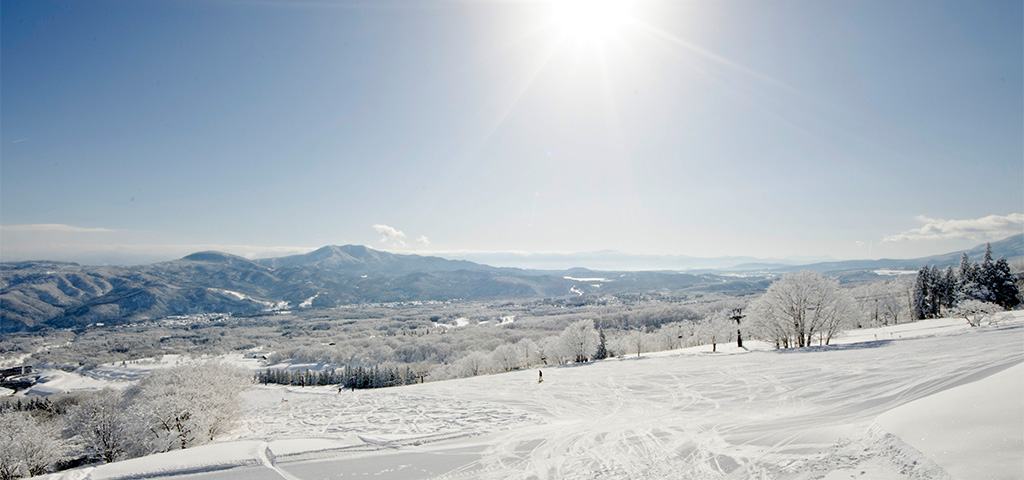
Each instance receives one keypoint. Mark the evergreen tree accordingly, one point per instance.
(919, 305)
(968, 286)
(936, 289)
(602, 347)
(1004, 289)
(987, 276)
(948, 288)
(965, 272)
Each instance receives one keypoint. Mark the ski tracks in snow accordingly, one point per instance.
(323, 413)
(266, 457)
(779, 415)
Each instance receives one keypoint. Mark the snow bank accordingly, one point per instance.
(205, 458)
(972, 431)
(135, 369)
(51, 382)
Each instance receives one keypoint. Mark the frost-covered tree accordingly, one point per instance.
(29, 445)
(184, 405)
(948, 292)
(553, 351)
(882, 302)
(975, 311)
(530, 351)
(506, 357)
(716, 328)
(990, 282)
(969, 284)
(987, 273)
(473, 364)
(637, 340)
(580, 340)
(799, 307)
(101, 427)
(1005, 292)
(921, 307)
(936, 290)
(675, 335)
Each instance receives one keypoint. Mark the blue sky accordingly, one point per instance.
(139, 131)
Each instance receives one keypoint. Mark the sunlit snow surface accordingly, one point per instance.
(883, 404)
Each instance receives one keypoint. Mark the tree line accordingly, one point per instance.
(376, 376)
(972, 287)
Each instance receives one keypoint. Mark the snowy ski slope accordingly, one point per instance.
(928, 400)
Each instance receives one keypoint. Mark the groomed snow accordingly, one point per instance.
(957, 429)
(882, 404)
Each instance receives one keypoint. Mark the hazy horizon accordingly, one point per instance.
(596, 260)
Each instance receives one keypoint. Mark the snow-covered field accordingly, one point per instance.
(928, 400)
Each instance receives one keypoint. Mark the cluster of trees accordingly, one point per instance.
(800, 307)
(970, 288)
(29, 444)
(377, 376)
(583, 341)
(421, 334)
(882, 302)
(171, 409)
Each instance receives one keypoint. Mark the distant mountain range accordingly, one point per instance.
(1011, 247)
(617, 261)
(60, 295)
(39, 294)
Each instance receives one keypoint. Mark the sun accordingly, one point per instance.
(590, 21)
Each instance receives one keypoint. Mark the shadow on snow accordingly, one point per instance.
(836, 348)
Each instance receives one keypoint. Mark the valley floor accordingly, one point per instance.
(928, 400)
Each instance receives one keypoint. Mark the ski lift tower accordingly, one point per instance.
(737, 314)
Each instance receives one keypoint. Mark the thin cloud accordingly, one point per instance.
(978, 229)
(53, 228)
(423, 240)
(390, 235)
(101, 253)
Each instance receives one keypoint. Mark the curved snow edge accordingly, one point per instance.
(201, 459)
(971, 430)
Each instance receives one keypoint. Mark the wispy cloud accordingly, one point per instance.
(19, 140)
(130, 253)
(986, 228)
(53, 228)
(390, 235)
(423, 240)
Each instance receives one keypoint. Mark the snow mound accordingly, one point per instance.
(958, 429)
(206, 458)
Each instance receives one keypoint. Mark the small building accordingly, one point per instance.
(15, 371)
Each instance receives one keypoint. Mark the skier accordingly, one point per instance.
(540, 376)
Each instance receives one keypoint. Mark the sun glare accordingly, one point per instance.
(591, 21)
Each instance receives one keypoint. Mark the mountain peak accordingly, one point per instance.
(359, 250)
(213, 256)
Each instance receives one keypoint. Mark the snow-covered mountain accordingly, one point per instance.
(1012, 248)
(358, 259)
(56, 294)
